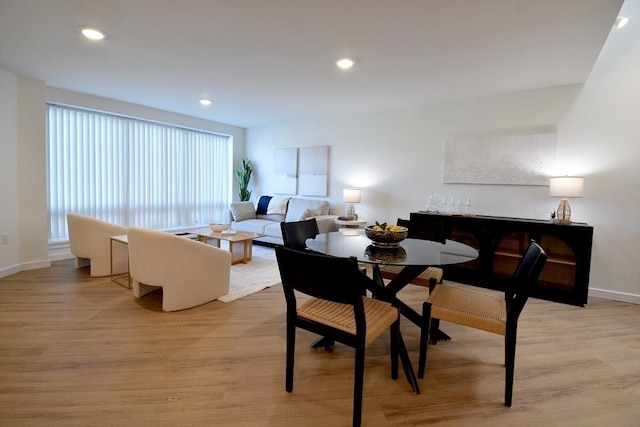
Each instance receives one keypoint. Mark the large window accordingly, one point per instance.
(134, 172)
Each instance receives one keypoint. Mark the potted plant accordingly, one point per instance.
(244, 176)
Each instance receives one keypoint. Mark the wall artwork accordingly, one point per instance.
(314, 171)
(285, 168)
(512, 160)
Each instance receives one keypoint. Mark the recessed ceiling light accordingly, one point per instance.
(92, 33)
(345, 63)
(205, 101)
(621, 21)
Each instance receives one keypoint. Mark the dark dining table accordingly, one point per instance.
(414, 255)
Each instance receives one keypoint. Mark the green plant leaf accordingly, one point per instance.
(243, 177)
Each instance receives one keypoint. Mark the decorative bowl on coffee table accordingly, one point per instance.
(218, 227)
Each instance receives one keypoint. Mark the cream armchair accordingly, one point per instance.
(190, 273)
(90, 243)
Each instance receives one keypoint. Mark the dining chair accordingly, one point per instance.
(496, 314)
(295, 233)
(429, 277)
(337, 308)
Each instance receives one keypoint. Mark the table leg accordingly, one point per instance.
(388, 293)
(116, 278)
(407, 366)
(207, 239)
(325, 342)
(250, 243)
(247, 251)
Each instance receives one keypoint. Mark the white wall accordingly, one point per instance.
(601, 135)
(23, 214)
(8, 168)
(396, 157)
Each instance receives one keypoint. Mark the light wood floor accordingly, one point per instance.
(78, 351)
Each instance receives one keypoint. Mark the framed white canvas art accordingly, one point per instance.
(285, 169)
(512, 160)
(314, 171)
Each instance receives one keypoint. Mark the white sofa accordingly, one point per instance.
(246, 217)
(190, 273)
(90, 243)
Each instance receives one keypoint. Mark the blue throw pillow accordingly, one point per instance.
(263, 204)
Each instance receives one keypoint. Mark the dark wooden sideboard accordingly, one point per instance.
(501, 242)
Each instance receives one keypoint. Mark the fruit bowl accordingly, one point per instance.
(218, 227)
(386, 238)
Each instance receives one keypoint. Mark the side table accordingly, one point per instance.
(122, 279)
(354, 223)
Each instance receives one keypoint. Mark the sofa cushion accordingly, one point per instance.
(278, 205)
(242, 211)
(297, 206)
(273, 230)
(263, 204)
(272, 217)
(252, 225)
(308, 213)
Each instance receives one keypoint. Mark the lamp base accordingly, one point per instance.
(564, 212)
(351, 212)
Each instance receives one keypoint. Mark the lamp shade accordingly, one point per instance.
(351, 195)
(566, 186)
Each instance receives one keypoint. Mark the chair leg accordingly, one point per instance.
(510, 363)
(435, 332)
(358, 385)
(291, 349)
(395, 335)
(424, 337)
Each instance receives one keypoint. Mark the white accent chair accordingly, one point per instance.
(190, 273)
(90, 243)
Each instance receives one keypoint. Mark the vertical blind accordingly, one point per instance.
(132, 172)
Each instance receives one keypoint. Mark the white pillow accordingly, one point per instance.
(308, 213)
(242, 211)
(297, 205)
(278, 205)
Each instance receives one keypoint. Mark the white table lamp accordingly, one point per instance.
(351, 196)
(565, 187)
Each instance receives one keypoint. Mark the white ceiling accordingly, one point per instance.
(269, 61)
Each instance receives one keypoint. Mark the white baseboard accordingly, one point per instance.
(24, 267)
(57, 251)
(8, 271)
(613, 295)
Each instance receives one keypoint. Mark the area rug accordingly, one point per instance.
(258, 274)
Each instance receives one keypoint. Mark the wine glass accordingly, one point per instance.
(432, 203)
(469, 206)
(444, 205)
(460, 206)
(452, 205)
